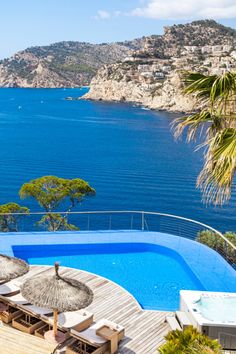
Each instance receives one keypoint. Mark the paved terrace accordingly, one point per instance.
(144, 330)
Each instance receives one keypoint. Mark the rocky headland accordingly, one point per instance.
(151, 76)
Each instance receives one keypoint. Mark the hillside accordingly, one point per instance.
(145, 71)
(63, 64)
(150, 76)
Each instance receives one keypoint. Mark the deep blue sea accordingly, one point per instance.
(127, 154)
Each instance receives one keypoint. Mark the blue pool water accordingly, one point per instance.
(152, 266)
(152, 274)
(127, 154)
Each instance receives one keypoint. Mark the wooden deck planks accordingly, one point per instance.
(144, 330)
(14, 341)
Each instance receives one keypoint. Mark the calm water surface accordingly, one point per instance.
(127, 154)
(128, 266)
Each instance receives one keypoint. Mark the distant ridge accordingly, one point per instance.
(62, 64)
(73, 64)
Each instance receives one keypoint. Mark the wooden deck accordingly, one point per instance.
(14, 341)
(144, 330)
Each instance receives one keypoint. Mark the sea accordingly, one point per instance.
(127, 153)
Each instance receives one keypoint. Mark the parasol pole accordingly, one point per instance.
(55, 317)
(55, 311)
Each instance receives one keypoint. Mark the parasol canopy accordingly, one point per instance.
(58, 293)
(11, 267)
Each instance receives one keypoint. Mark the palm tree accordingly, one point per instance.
(215, 122)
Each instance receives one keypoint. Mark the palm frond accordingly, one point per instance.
(216, 178)
(217, 120)
(213, 89)
(194, 124)
(198, 84)
(223, 87)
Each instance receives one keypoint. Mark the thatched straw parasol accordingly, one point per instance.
(58, 293)
(11, 267)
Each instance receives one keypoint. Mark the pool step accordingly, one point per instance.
(183, 319)
(179, 320)
(172, 321)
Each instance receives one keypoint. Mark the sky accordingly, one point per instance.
(25, 23)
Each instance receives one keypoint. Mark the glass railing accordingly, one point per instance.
(121, 220)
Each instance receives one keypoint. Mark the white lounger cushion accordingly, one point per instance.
(10, 287)
(90, 333)
(71, 319)
(91, 336)
(36, 310)
(17, 299)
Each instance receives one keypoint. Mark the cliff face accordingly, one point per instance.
(162, 94)
(150, 76)
(64, 64)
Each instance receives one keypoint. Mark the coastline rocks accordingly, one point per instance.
(150, 76)
(164, 95)
(39, 77)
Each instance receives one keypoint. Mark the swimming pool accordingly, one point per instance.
(152, 266)
(147, 271)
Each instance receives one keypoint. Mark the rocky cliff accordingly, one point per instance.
(151, 76)
(63, 64)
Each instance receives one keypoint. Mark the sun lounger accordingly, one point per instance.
(40, 332)
(35, 310)
(8, 313)
(26, 323)
(90, 333)
(13, 306)
(78, 320)
(10, 288)
(28, 318)
(79, 346)
(100, 334)
(22, 304)
(17, 299)
(8, 307)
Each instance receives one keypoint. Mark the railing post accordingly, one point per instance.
(131, 222)
(110, 222)
(226, 250)
(143, 221)
(88, 222)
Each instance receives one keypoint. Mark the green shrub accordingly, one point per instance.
(212, 240)
(231, 236)
(189, 341)
(203, 349)
(209, 238)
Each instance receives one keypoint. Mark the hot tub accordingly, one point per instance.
(212, 313)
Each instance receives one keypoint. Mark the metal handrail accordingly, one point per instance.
(141, 212)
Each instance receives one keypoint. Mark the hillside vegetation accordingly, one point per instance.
(63, 64)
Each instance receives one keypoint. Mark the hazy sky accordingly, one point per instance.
(25, 23)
